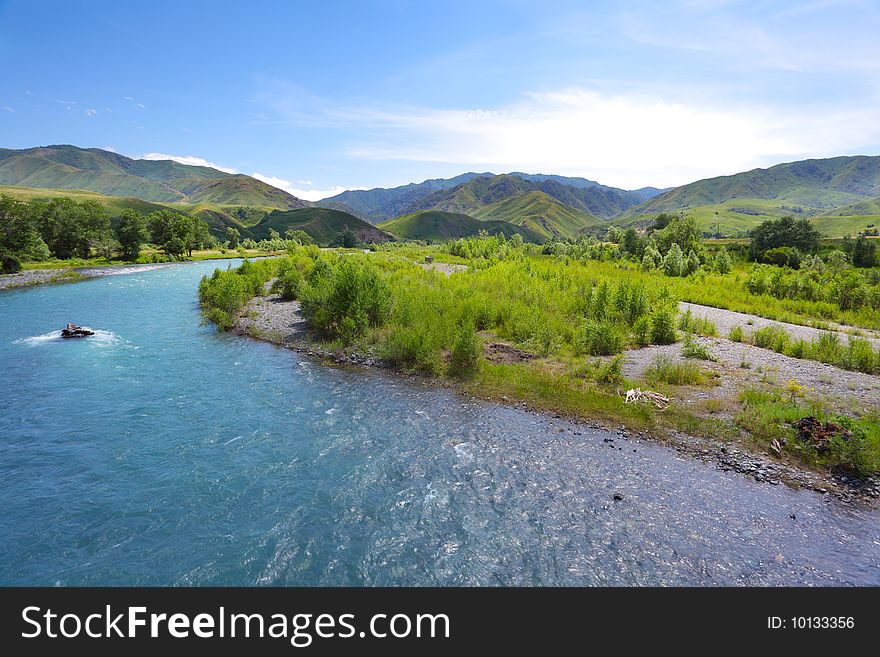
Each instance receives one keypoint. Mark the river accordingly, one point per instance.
(159, 452)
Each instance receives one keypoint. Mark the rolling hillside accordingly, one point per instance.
(542, 214)
(468, 197)
(818, 189)
(158, 181)
(438, 226)
(323, 224)
(814, 184)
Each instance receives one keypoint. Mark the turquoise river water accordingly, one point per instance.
(160, 452)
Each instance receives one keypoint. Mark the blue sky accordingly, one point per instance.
(315, 96)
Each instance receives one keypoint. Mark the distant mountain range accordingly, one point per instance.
(470, 191)
(839, 195)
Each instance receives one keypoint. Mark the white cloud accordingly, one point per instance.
(304, 182)
(305, 194)
(6, 108)
(187, 159)
(624, 139)
(91, 112)
(108, 148)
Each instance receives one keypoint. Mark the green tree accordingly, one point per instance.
(70, 228)
(864, 252)
(673, 263)
(131, 231)
(632, 243)
(19, 239)
(662, 220)
(347, 239)
(175, 247)
(774, 233)
(692, 263)
(613, 235)
(682, 231)
(233, 236)
(300, 236)
(159, 224)
(722, 261)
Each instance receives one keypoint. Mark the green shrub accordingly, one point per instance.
(288, 283)
(686, 321)
(859, 356)
(467, 351)
(663, 326)
(691, 349)
(342, 301)
(771, 337)
(414, 348)
(798, 349)
(736, 333)
(642, 331)
(704, 326)
(852, 452)
(602, 338)
(610, 372)
(827, 348)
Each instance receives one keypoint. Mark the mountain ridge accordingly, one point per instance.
(160, 181)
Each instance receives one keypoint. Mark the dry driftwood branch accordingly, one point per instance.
(638, 395)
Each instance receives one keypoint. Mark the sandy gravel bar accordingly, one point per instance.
(32, 277)
(725, 320)
(742, 365)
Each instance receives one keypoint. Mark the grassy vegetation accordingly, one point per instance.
(850, 444)
(675, 373)
(853, 353)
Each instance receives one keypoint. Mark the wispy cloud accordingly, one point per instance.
(6, 108)
(625, 139)
(91, 112)
(187, 159)
(305, 194)
(68, 104)
(134, 102)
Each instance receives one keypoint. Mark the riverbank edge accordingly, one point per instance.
(77, 273)
(738, 454)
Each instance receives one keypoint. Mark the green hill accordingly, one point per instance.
(813, 184)
(468, 197)
(323, 224)
(157, 181)
(541, 213)
(439, 226)
(732, 205)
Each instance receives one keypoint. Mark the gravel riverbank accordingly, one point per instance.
(35, 277)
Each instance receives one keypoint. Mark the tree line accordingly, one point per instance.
(64, 228)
